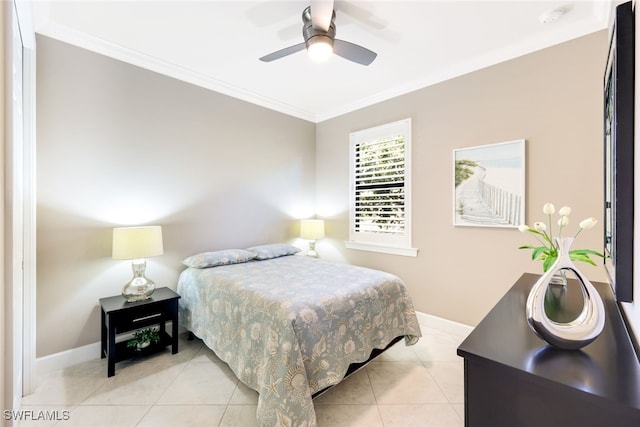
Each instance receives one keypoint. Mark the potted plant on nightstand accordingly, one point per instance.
(143, 338)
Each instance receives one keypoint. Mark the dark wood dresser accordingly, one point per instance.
(512, 378)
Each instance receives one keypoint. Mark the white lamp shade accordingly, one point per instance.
(137, 242)
(312, 229)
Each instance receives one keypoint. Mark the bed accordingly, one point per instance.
(290, 326)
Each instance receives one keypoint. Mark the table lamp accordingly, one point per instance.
(136, 244)
(312, 230)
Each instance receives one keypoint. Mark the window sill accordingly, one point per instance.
(393, 250)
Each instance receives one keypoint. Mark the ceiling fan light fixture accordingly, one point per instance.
(319, 48)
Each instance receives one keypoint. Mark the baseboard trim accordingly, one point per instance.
(444, 325)
(64, 359)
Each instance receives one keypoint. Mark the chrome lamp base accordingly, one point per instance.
(312, 249)
(140, 287)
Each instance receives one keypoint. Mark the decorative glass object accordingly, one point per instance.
(578, 332)
(136, 244)
(139, 287)
(559, 278)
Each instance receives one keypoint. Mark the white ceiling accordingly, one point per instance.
(216, 44)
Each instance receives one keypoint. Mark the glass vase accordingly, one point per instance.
(586, 326)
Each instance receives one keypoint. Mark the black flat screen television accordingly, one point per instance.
(618, 154)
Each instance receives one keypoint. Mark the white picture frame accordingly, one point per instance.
(489, 185)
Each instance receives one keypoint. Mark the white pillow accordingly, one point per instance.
(273, 250)
(216, 258)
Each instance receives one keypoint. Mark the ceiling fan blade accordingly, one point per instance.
(321, 13)
(353, 52)
(283, 52)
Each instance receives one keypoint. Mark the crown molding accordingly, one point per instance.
(133, 57)
(468, 66)
(103, 47)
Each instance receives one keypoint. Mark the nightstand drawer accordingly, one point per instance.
(141, 317)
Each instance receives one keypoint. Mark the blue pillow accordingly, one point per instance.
(216, 258)
(273, 250)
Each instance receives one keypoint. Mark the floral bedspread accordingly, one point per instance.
(290, 326)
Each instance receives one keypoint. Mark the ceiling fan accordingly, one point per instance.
(319, 33)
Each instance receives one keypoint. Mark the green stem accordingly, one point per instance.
(542, 242)
(547, 237)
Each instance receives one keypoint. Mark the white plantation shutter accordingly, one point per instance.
(380, 185)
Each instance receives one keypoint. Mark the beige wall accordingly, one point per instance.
(552, 99)
(119, 145)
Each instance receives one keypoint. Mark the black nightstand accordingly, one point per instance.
(119, 316)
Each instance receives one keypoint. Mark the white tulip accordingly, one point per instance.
(565, 211)
(548, 209)
(588, 223)
(563, 221)
(540, 226)
(524, 228)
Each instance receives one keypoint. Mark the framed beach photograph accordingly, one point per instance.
(489, 185)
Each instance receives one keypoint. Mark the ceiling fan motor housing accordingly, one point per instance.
(313, 34)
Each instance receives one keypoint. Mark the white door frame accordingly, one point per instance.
(27, 29)
(20, 227)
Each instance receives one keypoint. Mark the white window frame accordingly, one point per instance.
(379, 242)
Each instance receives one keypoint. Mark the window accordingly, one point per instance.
(380, 215)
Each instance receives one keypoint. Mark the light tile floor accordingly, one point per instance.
(421, 385)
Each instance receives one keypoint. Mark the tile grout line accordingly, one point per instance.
(366, 369)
